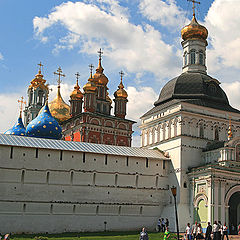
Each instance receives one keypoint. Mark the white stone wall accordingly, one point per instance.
(52, 191)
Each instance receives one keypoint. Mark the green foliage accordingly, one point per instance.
(40, 238)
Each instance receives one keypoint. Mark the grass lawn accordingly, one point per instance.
(92, 236)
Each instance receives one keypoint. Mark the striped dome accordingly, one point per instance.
(44, 126)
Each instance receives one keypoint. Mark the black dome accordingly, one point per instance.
(193, 86)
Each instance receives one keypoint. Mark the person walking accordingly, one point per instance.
(163, 225)
(143, 234)
(167, 223)
(225, 231)
(166, 234)
(159, 225)
(215, 230)
(188, 232)
(194, 230)
(208, 232)
(220, 232)
(199, 232)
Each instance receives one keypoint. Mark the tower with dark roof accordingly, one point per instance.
(191, 114)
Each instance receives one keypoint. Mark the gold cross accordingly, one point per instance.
(60, 74)
(21, 103)
(193, 1)
(91, 69)
(40, 66)
(121, 74)
(77, 75)
(100, 54)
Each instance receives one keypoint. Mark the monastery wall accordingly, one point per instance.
(55, 191)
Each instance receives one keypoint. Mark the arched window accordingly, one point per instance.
(193, 57)
(201, 61)
(185, 59)
(216, 135)
(201, 131)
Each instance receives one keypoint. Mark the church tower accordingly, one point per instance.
(190, 114)
(76, 99)
(37, 95)
(120, 109)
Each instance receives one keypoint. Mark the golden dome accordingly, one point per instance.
(76, 93)
(194, 30)
(99, 77)
(58, 108)
(38, 81)
(121, 92)
(90, 86)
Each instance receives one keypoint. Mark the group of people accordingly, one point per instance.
(215, 232)
(162, 224)
(144, 235)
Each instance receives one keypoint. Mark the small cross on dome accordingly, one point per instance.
(193, 1)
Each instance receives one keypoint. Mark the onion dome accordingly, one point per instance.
(194, 31)
(38, 81)
(18, 129)
(121, 92)
(90, 86)
(76, 93)
(44, 126)
(99, 77)
(58, 108)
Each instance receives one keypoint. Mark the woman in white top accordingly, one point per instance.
(225, 231)
(188, 232)
(199, 232)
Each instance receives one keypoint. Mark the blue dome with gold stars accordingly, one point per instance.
(18, 129)
(44, 126)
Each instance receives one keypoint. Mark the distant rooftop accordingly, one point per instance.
(20, 141)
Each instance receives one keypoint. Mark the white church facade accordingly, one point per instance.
(188, 141)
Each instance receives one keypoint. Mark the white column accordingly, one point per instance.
(216, 186)
(223, 220)
(209, 191)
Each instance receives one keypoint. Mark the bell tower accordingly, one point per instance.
(37, 96)
(194, 45)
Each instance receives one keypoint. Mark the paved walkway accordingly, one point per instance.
(234, 237)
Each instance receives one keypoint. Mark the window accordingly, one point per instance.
(216, 135)
(84, 157)
(11, 152)
(164, 164)
(201, 131)
(193, 57)
(61, 154)
(127, 162)
(146, 162)
(36, 153)
(106, 159)
(185, 59)
(201, 62)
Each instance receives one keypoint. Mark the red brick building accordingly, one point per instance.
(95, 124)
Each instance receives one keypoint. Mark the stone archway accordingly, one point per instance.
(201, 209)
(233, 203)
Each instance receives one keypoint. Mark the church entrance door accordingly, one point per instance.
(234, 210)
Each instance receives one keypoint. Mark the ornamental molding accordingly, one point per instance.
(200, 196)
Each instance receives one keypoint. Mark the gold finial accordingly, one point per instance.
(21, 105)
(121, 83)
(60, 74)
(193, 1)
(91, 69)
(230, 129)
(40, 66)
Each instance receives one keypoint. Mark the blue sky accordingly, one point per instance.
(140, 37)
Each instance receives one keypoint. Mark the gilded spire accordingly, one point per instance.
(120, 86)
(90, 86)
(230, 129)
(91, 70)
(100, 68)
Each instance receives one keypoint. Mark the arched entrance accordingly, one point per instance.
(234, 209)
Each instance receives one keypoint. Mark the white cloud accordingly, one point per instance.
(9, 110)
(167, 13)
(232, 90)
(134, 47)
(223, 24)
